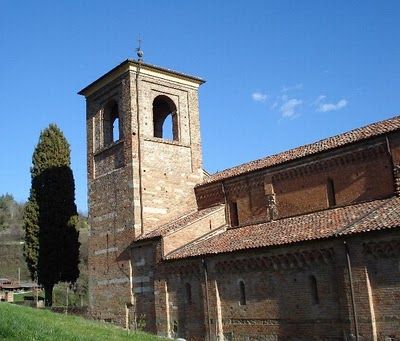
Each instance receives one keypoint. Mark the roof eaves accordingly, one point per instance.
(143, 65)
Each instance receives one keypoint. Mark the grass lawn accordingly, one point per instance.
(24, 323)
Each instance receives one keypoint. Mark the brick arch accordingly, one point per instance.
(164, 108)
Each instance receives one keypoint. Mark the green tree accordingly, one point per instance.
(50, 219)
(10, 212)
(31, 226)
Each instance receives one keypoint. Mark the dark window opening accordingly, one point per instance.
(165, 118)
(314, 290)
(233, 214)
(242, 289)
(188, 289)
(330, 191)
(111, 123)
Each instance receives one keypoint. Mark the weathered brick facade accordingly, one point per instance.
(136, 181)
(301, 245)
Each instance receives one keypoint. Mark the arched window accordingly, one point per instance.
(165, 119)
(330, 192)
(188, 290)
(314, 290)
(242, 290)
(111, 123)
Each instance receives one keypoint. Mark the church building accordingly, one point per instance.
(301, 245)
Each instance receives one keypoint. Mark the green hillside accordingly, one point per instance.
(11, 239)
(11, 258)
(23, 323)
(12, 261)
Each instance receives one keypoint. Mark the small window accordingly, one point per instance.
(188, 289)
(111, 123)
(314, 290)
(165, 118)
(115, 128)
(330, 191)
(242, 290)
(233, 214)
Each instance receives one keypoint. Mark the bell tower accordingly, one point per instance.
(144, 159)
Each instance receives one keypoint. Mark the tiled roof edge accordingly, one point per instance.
(226, 173)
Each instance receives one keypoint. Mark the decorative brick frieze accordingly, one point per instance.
(274, 322)
(280, 262)
(184, 269)
(209, 196)
(326, 164)
(382, 248)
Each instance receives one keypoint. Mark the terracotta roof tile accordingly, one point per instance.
(182, 221)
(372, 130)
(368, 216)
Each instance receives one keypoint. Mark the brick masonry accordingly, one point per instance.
(144, 192)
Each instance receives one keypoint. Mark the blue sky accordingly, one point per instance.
(279, 73)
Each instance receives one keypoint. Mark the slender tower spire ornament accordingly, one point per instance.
(139, 51)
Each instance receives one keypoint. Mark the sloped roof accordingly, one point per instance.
(186, 219)
(369, 131)
(368, 216)
(143, 65)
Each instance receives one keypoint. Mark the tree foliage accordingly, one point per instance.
(31, 226)
(10, 212)
(50, 219)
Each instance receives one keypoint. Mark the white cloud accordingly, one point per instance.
(325, 107)
(289, 106)
(298, 86)
(258, 97)
(319, 99)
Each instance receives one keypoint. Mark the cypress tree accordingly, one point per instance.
(52, 246)
(31, 246)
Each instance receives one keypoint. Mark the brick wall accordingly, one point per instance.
(195, 230)
(280, 298)
(135, 183)
(167, 170)
(361, 172)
